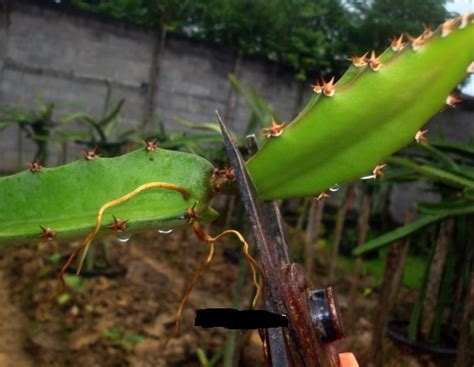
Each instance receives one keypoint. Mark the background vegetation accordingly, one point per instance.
(312, 37)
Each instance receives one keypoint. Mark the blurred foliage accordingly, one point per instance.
(104, 131)
(122, 339)
(38, 124)
(449, 168)
(375, 23)
(313, 37)
(261, 113)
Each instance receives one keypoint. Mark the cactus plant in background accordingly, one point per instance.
(39, 125)
(448, 167)
(104, 133)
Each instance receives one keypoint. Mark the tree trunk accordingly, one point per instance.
(435, 276)
(363, 228)
(393, 272)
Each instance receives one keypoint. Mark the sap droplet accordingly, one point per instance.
(334, 188)
(124, 238)
(370, 177)
(165, 231)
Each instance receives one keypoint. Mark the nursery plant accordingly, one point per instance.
(347, 130)
(447, 167)
(102, 132)
(38, 124)
(446, 164)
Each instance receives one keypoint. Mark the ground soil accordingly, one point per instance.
(124, 320)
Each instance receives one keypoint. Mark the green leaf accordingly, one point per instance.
(452, 147)
(390, 237)
(447, 208)
(433, 172)
(208, 126)
(201, 354)
(63, 298)
(76, 282)
(135, 338)
(437, 154)
(55, 258)
(74, 117)
(111, 117)
(434, 213)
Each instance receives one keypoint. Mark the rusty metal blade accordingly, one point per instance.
(286, 284)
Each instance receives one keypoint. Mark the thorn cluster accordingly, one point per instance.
(221, 177)
(447, 27)
(375, 61)
(359, 62)
(90, 154)
(397, 44)
(420, 136)
(151, 145)
(377, 171)
(452, 100)
(328, 88)
(427, 33)
(464, 20)
(47, 233)
(35, 167)
(119, 225)
(418, 42)
(322, 196)
(227, 172)
(273, 131)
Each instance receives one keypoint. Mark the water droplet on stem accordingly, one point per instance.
(124, 238)
(334, 188)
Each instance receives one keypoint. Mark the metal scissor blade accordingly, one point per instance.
(285, 284)
(276, 346)
(245, 185)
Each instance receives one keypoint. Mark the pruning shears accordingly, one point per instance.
(314, 321)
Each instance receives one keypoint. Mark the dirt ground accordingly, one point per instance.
(124, 320)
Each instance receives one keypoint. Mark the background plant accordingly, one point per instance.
(39, 124)
(447, 167)
(299, 33)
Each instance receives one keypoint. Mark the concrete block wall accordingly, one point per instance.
(63, 55)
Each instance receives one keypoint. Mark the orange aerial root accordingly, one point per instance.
(197, 230)
(210, 240)
(87, 241)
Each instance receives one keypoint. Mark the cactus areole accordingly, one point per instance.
(374, 110)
